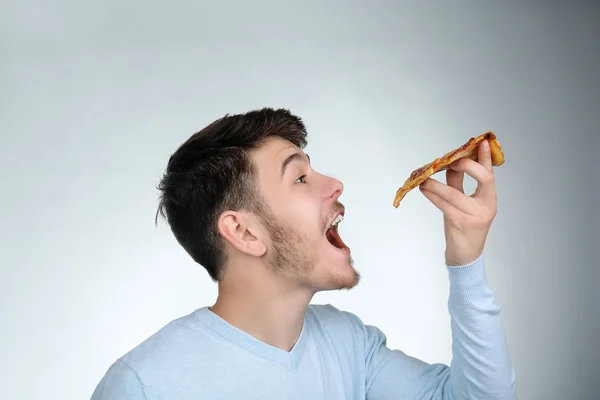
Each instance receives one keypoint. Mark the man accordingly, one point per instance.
(242, 199)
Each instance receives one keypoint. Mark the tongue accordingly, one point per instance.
(334, 238)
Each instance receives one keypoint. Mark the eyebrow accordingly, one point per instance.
(297, 156)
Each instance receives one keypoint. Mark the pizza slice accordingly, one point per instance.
(468, 150)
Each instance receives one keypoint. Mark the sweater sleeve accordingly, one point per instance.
(480, 367)
(119, 383)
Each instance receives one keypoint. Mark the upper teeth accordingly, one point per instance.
(337, 220)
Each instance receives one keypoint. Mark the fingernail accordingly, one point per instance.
(486, 145)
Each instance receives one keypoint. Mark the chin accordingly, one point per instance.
(341, 276)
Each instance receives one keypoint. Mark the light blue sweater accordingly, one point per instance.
(200, 356)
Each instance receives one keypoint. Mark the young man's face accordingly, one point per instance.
(303, 204)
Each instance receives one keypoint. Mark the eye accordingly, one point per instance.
(301, 179)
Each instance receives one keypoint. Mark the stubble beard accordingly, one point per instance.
(290, 253)
(293, 253)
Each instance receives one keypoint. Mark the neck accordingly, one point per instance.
(265, 306)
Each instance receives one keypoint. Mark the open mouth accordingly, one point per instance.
(332, 234)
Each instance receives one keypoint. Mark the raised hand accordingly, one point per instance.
(467, 219)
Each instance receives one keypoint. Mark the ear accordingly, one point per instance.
(243, 232)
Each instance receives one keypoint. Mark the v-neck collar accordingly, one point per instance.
(288, 359)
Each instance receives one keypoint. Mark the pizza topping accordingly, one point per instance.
(416, 173)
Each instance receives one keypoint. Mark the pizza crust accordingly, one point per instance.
(468, 150)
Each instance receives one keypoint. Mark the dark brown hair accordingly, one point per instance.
(211, 173)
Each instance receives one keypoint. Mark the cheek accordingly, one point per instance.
(305, 214)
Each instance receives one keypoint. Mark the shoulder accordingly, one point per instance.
(170, 346)
(120, 381)
(346, 325)
(156, 362)
(128, 375)
(330, 318)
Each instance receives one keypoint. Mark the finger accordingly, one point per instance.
(455, 179)
(459, 200)
(449, 210)
(484, 178)
(484, 157)
(472, 168)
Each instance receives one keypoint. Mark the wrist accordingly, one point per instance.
(462, 255)
(462, 262)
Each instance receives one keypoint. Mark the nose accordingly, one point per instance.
(334, 188)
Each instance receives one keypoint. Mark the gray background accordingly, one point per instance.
(96, 95)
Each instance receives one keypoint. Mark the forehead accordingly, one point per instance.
(272, 153)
